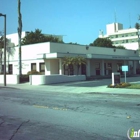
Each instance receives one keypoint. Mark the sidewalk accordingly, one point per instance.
(98, 86)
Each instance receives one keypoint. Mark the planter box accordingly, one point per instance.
(10, 79)
(56, 78)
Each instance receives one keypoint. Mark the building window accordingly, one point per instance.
(33, 66)
(42, 67)
(10, 69)
(122, 35)
(116, 36)
(126, 41)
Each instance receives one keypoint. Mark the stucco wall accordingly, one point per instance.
(54, 66)
(55, 78)
(81, 49)
(10, 79)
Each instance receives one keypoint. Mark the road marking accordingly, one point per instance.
(54, 108)
(38, 106)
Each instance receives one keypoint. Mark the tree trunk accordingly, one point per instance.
(19, 36)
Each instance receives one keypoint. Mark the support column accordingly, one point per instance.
(47, 67)
(88, 67)
(134, 67)
(60, 67)
(102, 68)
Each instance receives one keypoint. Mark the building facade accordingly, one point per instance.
(119, 36)
(13, 38)
(47, 58)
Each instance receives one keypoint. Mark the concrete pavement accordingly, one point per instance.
(99, 86)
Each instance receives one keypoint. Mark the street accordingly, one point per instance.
(42, 115)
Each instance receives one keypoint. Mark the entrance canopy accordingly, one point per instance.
(89, 56)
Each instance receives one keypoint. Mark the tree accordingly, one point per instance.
(120, 47)
(71, 61)
(78, 61)
(73, 43)
(38, 37)
(9, 49)
(137, 26)
(19, 36)
(102, 42)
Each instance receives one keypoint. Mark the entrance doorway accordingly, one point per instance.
(83, 69)
(119, 68)
(97, 68)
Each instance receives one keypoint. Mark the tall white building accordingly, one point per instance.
(119, 36)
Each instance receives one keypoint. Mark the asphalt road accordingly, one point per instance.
(41, 115)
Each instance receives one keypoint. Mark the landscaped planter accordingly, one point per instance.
(10, 79)
(55, 78)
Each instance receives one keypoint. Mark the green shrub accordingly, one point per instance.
(33, 72)
(121, 85)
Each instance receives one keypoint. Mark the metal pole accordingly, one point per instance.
(4, 50)
(4, 47)
(125, 76)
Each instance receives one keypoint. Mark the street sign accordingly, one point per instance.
(124, 68)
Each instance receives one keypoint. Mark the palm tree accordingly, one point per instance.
(79, 60)
(137, 26)
(69, 62)
(9, 49)
(19, 36)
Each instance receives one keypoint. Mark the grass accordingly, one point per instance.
(134, 86)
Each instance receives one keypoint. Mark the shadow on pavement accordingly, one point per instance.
(95, 83)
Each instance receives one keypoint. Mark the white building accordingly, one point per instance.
(13, 38)
(119, 36)
(47, 58)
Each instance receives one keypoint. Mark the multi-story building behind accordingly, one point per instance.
(119, 36)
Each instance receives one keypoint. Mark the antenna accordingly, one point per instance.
(130, 20)
(115, 17)
(138, 17)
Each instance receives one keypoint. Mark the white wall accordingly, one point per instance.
(14, 37)
(81, 49)
(55, 78)
(10, 79)
(54, 66)
(130, 46)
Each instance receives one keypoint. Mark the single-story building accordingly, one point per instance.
(47, 58)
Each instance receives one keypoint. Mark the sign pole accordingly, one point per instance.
(125, 76)
(125, 69)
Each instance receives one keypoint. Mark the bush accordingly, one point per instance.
(121, 85)
(33, 72)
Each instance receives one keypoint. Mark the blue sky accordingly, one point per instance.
(78, 20)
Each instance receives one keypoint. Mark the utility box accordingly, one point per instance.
(116, 78)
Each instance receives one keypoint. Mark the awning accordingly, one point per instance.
(89, 56)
